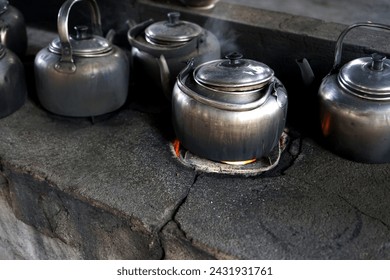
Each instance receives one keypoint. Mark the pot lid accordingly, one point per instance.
(83, 43)
(233, 74)
(367, 77)
(172, 31)
(3, 6)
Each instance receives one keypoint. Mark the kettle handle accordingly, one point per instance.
(3, 34)
(63, 29)
(339, 43)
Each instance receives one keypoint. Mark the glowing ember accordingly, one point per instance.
(244, 162)
(325, 124)
(176, 147)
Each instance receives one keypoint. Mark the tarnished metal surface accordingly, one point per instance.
(13, 89)
(13, 32)
(87, 83)
(354, 106)
(225, 130)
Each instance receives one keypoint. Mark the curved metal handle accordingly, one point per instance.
(3, 34)
(63, 28)
(218, 104)
(339, 44)
(165, 77)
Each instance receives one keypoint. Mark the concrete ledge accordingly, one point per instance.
(76, 190)
(113, 190)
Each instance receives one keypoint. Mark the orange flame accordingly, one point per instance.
(244, 162)
(176, 146)
(325, 124)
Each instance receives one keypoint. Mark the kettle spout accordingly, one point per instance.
(306, 71)
(110, 35)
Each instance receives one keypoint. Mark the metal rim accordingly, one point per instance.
(172, 31)
(367, 77)
(102, 47)
(233, 74)
(224, 105)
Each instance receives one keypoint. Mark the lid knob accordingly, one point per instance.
(234, 59)
(173, 18)
(82, 32)
(377, 62)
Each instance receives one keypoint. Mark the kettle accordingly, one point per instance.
(13, 90)
(82, 75)
(231, 109)
(354, 104)
(161, 49)
(13, 34)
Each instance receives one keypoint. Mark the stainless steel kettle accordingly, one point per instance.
(354, 104)
(231, 109)
(161, 49)
(13, 90)
(81, 75)
(13, 34)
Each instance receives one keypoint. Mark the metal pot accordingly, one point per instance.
(231, 109)
(13, 34)
(82, 75)
(354, 102)
(13, 90)
(160, 50)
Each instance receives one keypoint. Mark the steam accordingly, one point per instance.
(115, 15)
(226, 35)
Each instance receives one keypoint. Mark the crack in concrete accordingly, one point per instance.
(181, 201)
(46, 215)
(363, 213)
(5, 187)
(198, 246)
(173, 214)
(294, 154)
(197, 174)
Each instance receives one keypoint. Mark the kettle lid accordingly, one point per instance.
(367, 77)
(233, 74)
(172, 31)
(83, 43)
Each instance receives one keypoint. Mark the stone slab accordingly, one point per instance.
(321, 207)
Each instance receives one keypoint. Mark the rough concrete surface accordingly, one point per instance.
(64, 172)
(19, 240)
(70, 188)
(340, 11)
(82, 185)
(322, 207)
